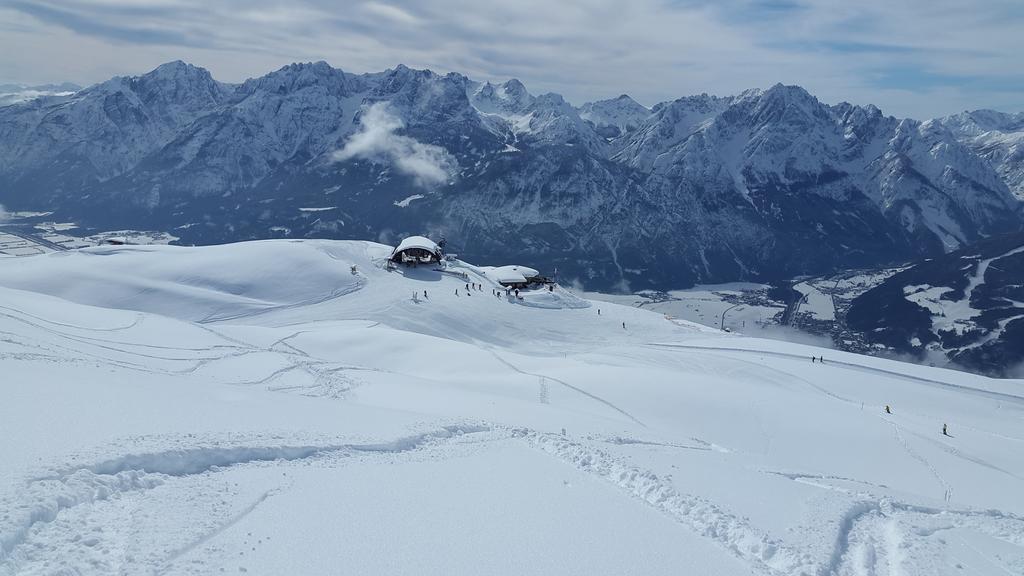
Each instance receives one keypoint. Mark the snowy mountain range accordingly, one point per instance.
(763, 185)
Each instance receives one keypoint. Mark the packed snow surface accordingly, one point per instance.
(292, 407)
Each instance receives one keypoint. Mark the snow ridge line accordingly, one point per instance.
(706, 518)
(960, 387)
(215, 317)
(49, 496)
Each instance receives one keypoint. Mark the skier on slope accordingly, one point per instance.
(945, 431)
(887, 410)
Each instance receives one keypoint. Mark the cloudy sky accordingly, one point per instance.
(915, 58)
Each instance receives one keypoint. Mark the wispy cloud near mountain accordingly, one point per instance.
(377, 140)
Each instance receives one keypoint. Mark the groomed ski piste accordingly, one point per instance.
(264, 408)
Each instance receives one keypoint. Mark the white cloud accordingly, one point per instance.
(390, 12)
(377, 140)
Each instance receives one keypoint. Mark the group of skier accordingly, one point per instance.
(474, 287)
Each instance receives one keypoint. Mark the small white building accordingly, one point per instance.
(416, 249)
(514, 276)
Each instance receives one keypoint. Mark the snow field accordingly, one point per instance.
(259, 408)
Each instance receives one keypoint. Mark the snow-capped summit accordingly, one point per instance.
(508, 98)
(296, 77)
(614, 117)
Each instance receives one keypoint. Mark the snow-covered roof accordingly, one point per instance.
(421, 242)
(510, 274)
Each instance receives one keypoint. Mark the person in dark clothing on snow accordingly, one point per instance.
(456, 291)
(813, 359)
(887, 411)
(945, 431)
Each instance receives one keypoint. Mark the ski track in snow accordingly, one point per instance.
(45, 498)
(868, 520)
(569, 386)
(738, 536)
(703, 516)
(947, 490)
(216, 531)
(326, 381)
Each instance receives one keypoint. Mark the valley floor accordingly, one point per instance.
(266, 408)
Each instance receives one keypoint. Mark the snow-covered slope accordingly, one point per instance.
(331, 418)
